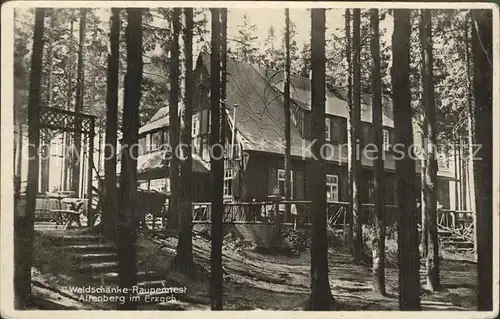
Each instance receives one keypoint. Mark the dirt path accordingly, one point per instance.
(256, 281)
(274, 282)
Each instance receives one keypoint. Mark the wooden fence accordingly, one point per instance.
(153, 209)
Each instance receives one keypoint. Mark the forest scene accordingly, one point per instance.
(171, 158)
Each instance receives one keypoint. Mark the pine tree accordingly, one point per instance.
(47, 135)
(379, 184)
(24, 221)
(293, 48)
(483, 127)
(127, 212)
(184, 257)
(321, 296)
(216, 167)
(430, 149)
(271, 53)
(110, 192)
(245, 48)
(80, 87)
(350, 129)
(67, 157)
(288, 157)
(470, 125)
(357, 209)
(409, 265)
(173, 204)
(305, 55)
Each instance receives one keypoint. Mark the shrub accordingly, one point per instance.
(298, 239)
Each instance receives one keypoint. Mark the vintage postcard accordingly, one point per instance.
(249, 157)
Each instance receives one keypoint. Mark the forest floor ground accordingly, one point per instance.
(254, 280)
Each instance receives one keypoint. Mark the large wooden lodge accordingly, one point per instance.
(256, 93)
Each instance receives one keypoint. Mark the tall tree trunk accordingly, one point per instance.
(378, 182)
(80, 83)
(430, 151)
(357, 208)
(424, 234)
(216, 167)
(127, 212)
(409, 280)
(184, 258)
(223, 73)
(288, 157)
(483, 169)
(459, 171)
(44, 164)
(350, 124)
(19, 162)
(470, 130)
(321, 296)
(66, 137)
(110, 149)
(455, 169)
(45, 149)
(24, 221)
(173, 205)
(463, 173)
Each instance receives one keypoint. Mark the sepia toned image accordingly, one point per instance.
(250, 157)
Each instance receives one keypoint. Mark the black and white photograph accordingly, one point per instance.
(240, 156)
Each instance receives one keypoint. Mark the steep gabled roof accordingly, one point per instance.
(158, 120)
(260, 118)
(336, 99)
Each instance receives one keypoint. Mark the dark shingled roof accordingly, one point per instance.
(336, 99)
(260, 117)
(157, 160)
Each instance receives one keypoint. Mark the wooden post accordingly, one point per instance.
(90, 213)
(296, 221)
(276, 217)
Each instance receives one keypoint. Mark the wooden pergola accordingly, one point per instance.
(59, 120)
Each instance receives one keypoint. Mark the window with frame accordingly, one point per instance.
(386, 140)
(195, 128)
(143, 184)
(166, 139)
(156, 140)
(160, 184)
(328, 129)
(142, 145)
(148, 143)
(228, 179)
(281, 182)
(332, 187)
(335, 130)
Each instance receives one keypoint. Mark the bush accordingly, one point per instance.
(298, 239)
(391, 244)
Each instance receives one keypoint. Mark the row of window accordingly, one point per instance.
(334, 128)
(160, 184)
(332, 185)
(334, 131)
